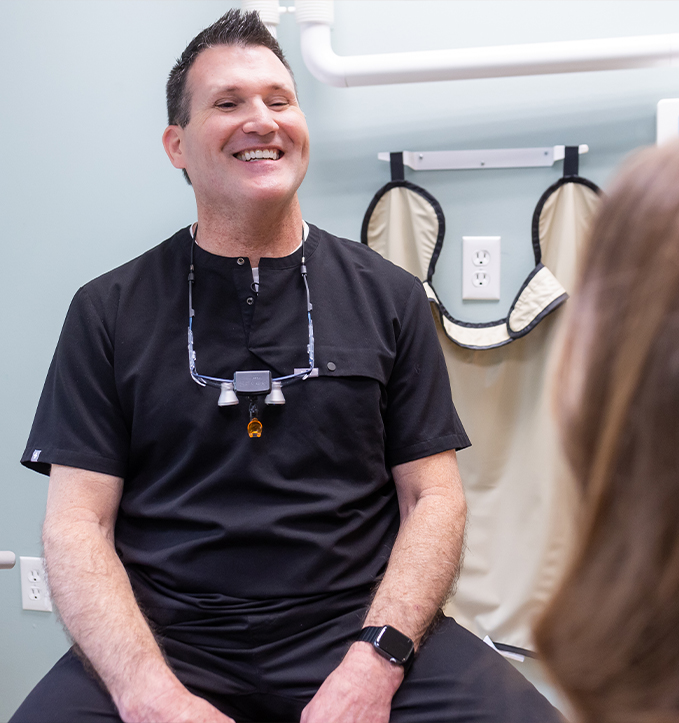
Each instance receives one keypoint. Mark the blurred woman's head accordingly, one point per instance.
(611, 634)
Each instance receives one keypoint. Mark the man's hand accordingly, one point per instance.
(359, 690)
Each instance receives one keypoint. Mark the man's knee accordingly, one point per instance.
(67, 694)
(457, 677)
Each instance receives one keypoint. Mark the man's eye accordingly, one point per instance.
(226, 104)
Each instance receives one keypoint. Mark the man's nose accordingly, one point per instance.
(260, 119)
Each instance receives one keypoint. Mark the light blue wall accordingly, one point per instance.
(85, 185)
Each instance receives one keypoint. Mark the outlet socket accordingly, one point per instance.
(35, 594)
(481, 268)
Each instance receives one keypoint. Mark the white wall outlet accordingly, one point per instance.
(35, 594)
(481, 267)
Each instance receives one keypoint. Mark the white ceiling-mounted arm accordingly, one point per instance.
(268, 10)
(316, 16)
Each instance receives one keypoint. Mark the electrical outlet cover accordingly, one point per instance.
(481, 268)
(35, 594)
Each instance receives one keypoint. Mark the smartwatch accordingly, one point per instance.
(396, 647)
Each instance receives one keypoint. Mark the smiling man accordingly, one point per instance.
(264, 529)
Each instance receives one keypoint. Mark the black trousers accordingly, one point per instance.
(267, 666)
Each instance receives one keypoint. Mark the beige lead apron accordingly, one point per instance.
(520, 499)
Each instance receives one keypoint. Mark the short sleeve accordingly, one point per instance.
(421, 417)
(79, 422)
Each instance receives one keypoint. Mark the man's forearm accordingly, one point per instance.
(93, 594)
(425, 559)
(423, 565)
(95, 600)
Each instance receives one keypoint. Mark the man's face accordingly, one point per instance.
(247, 140)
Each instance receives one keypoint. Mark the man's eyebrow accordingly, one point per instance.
(237, 88)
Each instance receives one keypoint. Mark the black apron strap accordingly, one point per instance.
(571, 161)
(396, 161)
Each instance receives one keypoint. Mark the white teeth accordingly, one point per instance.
(271, 153)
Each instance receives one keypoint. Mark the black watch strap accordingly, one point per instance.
(391, 644)
(369, 634)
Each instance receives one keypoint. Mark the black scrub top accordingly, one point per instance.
(208, 515)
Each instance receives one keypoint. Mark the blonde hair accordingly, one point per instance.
(610, 635)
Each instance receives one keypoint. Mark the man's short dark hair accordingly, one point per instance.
(233, 28)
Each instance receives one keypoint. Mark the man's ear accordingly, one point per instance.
(173, 138)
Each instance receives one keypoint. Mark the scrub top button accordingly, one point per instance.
(250, 300)
(331, 366)
(240, 262)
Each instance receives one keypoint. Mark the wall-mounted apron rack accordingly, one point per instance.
(490, 158)
(406, 224)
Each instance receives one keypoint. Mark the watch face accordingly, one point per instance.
(395, 644)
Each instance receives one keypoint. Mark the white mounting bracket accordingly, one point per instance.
(492, 158)
(667, 126)
(7, 560)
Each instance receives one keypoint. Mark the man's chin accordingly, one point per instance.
(268, 191)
